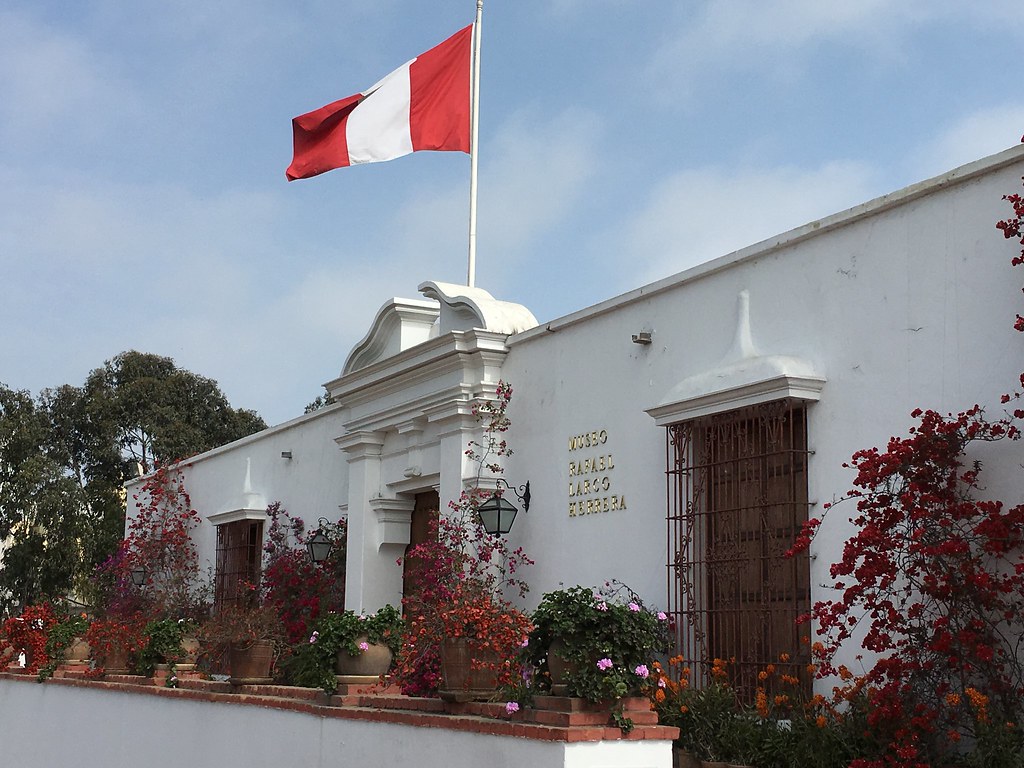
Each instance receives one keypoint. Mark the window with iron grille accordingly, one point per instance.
(737, 498)
(239, 549)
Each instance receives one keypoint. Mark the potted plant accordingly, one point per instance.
(244, 637)
(167, 645)
(597, 644)
(462, 634)
(123, 608)
(347, 644)
(115, 641)
(482, 637)
(65, 642)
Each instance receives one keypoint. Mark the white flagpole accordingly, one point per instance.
(474, 128)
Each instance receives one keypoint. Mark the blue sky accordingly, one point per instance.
(143, 203)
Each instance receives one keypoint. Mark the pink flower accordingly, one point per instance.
(511, 707)
(634, 607)
(604, 664)
(662, 616)
(364, 646)
(661, 682)
(602, 606)
(642, 671)
(525, 643)
(314, 637)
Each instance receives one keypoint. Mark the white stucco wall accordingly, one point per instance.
(906, 301)
(311, 484)
(126, 730)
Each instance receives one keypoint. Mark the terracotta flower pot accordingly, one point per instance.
(463, 682)
(78, 653)
(190, 649)
(558, 668)
(115, 662)
(373, 662)
(251, 663)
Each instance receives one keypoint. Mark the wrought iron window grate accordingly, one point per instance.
(737, 498)
(239, 551)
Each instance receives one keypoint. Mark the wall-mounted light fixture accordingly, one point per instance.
(138, 575)
(286, 454)
(644, 337)
(319, 546)
(498, 513)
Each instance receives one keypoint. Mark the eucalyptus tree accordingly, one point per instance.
(66, 454)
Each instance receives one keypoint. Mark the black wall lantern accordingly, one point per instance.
(319, 546)
(138, 576)
(497, 513)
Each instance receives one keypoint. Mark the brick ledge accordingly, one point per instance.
(555, 719)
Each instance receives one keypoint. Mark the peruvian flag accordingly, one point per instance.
(424, 104)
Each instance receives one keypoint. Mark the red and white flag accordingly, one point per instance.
(424, 104)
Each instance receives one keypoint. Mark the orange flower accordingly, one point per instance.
(761, 702)
(978, 699)
(659, 695)
(820, 721)
(783, 657)
(718, 669)
(953, 699)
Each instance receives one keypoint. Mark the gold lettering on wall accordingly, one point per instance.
(590, 475)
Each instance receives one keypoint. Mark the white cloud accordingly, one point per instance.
(539, 173)
(698, 215)
(969, 138)
(775, 39)
(58, 82)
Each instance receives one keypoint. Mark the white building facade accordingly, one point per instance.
(676, 436)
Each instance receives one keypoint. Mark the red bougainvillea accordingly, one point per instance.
(295, 587)
(932, 585)
(27, 633)
(462, 573)
(160, 543)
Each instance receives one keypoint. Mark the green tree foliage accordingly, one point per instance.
(321, 401)
(64, 458)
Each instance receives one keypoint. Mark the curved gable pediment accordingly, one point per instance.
(398, 325)
(464, 308)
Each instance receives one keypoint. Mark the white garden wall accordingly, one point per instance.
(116, 728)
